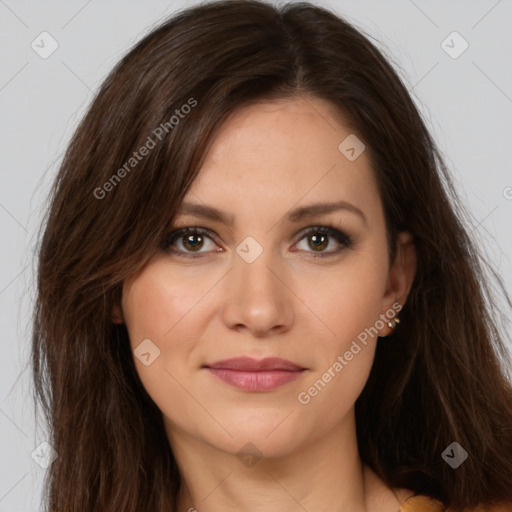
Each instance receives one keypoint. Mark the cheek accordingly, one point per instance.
(350, 307)
(157, 301)
(170, 307)
(343, 300)
(158, 306)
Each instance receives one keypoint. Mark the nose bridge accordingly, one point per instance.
(256, 267)
(259, 298)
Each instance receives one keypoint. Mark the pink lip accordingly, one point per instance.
(255, 375)
(252, 365)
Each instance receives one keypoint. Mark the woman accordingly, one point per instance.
(255, 288)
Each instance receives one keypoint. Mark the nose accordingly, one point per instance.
(259, 298)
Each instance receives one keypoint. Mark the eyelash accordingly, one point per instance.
(342, 238)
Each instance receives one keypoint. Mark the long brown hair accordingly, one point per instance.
(443, 376)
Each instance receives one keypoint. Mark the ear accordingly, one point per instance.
(117, 314)
(400, 277)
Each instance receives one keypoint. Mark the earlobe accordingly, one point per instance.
(402, 271)
(117, 314)
(400, 279)
(404, 267)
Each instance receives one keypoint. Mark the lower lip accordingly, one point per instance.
(255, 381)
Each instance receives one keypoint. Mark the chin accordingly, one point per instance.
(267, 434)
(258, 447)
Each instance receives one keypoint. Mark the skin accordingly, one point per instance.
(268, 159)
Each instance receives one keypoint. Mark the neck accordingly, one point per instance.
(326, 475)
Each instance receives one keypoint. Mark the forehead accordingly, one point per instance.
(283, 131)
(280, 153)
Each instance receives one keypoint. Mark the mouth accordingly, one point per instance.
(255, 375)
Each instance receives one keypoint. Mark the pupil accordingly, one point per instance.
(316, 239)
(189, 241)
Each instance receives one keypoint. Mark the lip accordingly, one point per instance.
(249, 364)
(255, 375)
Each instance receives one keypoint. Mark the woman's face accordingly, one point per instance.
(259, 287)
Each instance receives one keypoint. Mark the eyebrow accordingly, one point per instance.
(294, 216)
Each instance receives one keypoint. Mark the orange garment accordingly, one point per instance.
(422, 503)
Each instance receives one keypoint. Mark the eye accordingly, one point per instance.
(318, 239)
(192, 240)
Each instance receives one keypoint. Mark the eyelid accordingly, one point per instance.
(177, 233)
(345, 240)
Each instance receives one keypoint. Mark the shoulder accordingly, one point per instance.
(422, 503)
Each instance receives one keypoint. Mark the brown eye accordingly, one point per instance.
(318, 241)
(192, 242)
(319, 238)
(188, 240)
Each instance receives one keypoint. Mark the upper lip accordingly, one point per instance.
(253, 365)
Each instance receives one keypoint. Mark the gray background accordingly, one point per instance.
(467, 103)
